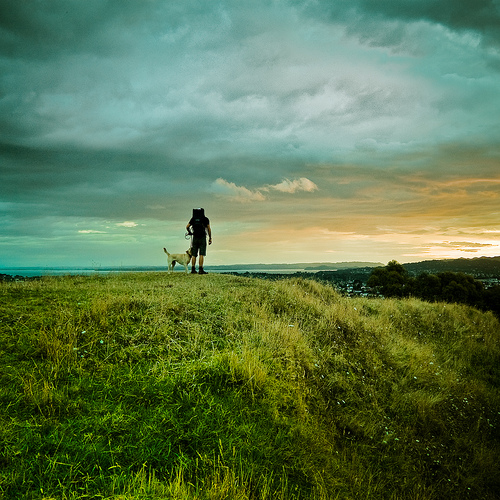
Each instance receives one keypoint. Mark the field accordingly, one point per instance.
(157, 386)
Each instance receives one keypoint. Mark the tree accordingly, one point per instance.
(492, 299)
(391, 281)
(460, 288)
(427, 287)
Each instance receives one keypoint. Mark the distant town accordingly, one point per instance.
(352, 278)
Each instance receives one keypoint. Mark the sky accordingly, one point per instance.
(308, 130)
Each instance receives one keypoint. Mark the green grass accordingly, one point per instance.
(157, 386)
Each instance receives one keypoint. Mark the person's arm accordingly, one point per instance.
(188, 227)
(209, 231)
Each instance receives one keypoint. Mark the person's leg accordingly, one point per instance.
(194, 254)
(201, 270)
(203, 252)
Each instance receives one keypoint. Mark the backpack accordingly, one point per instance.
(199, 222)
(198, 226)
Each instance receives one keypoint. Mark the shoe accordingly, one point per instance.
(193, 271)
(202, 271)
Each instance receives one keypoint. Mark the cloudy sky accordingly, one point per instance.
(309, 130)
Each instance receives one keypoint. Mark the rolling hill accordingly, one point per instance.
(172, 386)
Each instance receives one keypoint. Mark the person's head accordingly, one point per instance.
(198, 212)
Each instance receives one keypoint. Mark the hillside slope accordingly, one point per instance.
(151, 385)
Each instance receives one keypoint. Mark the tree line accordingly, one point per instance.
(394, 280)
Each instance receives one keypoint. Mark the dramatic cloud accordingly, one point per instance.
(366, 130)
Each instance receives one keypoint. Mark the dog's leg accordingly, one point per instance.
(169, 262)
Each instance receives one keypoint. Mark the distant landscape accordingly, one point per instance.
(298, 267)
(306, 266)
(481, 267)
(477, 267)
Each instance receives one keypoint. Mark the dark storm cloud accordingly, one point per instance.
(365, 17)
(36, 30)
(479, 15)
(85, 183)
(49, 29)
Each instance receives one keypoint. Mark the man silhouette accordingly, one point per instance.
(199, 228)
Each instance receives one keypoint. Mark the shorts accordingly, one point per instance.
(199, 244)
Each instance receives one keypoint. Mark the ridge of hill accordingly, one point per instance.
(172, 386)
(477, 267)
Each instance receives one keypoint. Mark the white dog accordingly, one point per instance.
(181, 258)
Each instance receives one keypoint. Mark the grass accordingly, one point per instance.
(157, 386)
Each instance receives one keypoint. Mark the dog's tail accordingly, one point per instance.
(165, 250)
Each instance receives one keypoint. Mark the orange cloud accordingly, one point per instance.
(234, 192)
(302, 184)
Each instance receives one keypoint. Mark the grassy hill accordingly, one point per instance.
(156, 386)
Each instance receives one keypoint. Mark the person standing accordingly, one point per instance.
(199, 228)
